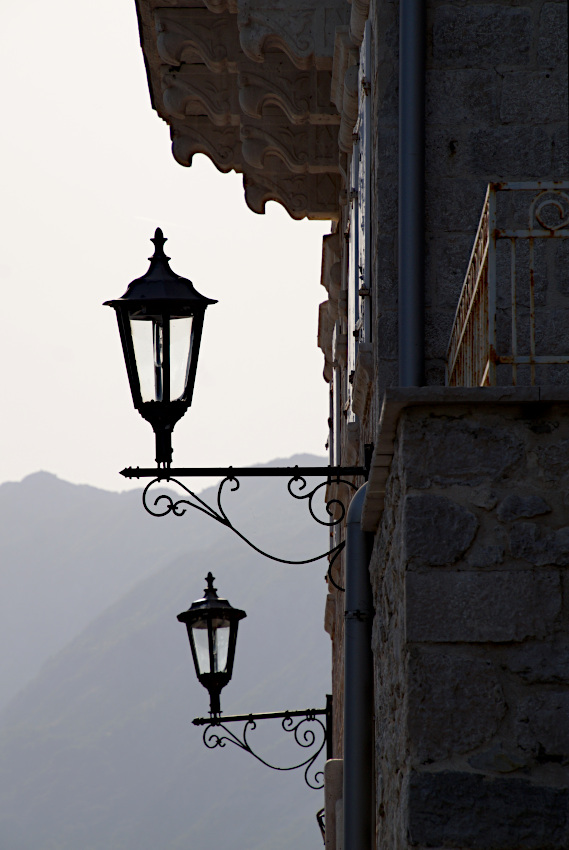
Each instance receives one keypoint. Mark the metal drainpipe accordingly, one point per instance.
(358, 683)
(411, 237)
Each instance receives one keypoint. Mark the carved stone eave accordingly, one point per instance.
(303, 149)
(304, 29)
(193, 90)
(247, 83)
(311, 196)
(182, 34)
(221, 144)
(303, 96)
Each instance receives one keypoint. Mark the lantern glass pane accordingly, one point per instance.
(180, 353)
(201, 644)
(147, 339)
(221, 645)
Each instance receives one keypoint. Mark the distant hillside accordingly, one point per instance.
(98, 752)
(66, 553)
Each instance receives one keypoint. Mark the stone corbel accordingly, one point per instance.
(331, 253)
(331, 271)
(302, 30)
(313, 196)
(358, 18)
(325, 331)
(345, 86)
(330, 609)
(194, 90)
(363, 379)
(351, 447)
(221, 144)
(303, 96)
(303, 149)
(340, 351)
(191, 35)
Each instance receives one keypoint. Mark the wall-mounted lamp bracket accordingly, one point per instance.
(308, 731)
(163, 503)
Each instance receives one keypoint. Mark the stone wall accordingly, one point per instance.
(471, 635)
(496, 109)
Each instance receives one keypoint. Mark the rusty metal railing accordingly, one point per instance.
(512, 319)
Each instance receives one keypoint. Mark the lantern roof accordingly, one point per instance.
(160, 283)
(210, 602)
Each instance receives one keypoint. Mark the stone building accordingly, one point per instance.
(446, 349)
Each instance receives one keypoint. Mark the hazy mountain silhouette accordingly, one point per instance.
(98, 751)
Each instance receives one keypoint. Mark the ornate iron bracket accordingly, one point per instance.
(162, 504)
(309, 732)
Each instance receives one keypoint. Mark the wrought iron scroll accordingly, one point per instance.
(164, 503)
(308, 731)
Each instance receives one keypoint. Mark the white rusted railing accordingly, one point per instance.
(512, 319)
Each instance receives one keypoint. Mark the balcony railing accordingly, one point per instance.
(512, 321)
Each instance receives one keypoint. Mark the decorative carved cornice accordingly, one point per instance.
(303, 196)
(304, 149)
(247, 83)
(193, 90)
(303, 96)
(303, 29)
(221, 144)
(197, 35)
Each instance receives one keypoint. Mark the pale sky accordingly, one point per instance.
(87, 175)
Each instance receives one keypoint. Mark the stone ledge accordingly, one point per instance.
(397, 399)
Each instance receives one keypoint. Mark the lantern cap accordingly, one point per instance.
(210, 602)
(160, 283)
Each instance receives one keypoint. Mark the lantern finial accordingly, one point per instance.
(159, 241)
(210, 590)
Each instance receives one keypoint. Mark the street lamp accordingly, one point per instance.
(212, 625)
(160, 318)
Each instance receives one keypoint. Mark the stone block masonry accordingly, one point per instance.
(496, 107)
(470, 573)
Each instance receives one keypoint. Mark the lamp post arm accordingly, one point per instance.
(218, 719)
(231, 472)
(342, 476)
(309, 732)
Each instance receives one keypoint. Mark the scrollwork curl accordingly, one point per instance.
(335, 501)
(165, 503)
(550, 209)
(304, 736)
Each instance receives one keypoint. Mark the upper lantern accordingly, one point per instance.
(160, 318)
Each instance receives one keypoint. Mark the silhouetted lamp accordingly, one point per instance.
(160, 320)
(212, 625)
